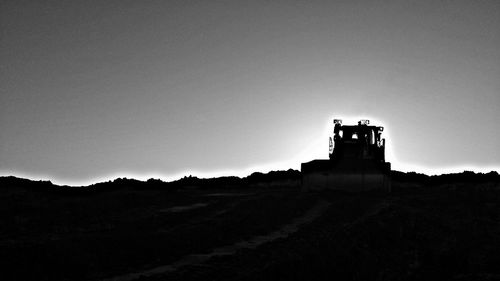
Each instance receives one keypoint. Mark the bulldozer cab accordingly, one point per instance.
(360, 141)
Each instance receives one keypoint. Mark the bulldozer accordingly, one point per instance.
(356, 161)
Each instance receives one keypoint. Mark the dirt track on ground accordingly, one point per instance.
(252, 243)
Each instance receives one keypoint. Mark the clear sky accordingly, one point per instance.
(96, 89)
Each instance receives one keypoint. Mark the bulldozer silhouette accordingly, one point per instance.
(357, 161)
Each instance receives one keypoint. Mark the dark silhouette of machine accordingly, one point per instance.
(357, 161)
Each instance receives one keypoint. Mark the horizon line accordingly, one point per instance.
(227, 173)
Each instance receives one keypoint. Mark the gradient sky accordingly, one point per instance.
(95, 89)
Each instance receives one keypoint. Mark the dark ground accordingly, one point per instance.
(444, 231)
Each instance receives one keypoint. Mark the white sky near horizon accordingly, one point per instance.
(91, 90)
